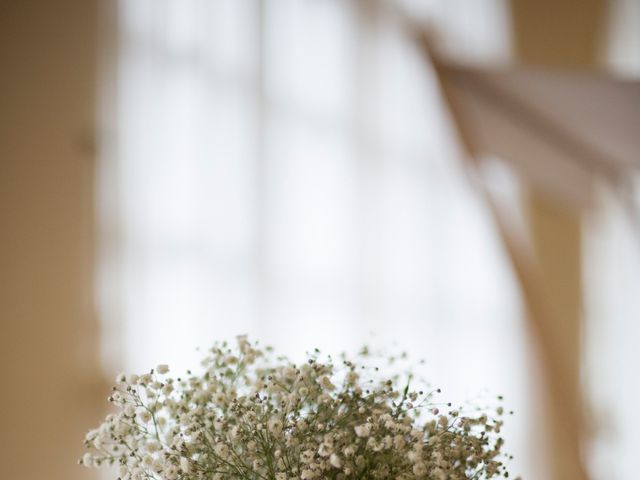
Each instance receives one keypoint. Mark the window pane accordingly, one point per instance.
(310, 47)
(311, 205)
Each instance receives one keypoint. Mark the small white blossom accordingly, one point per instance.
(420, 469)
(162, 369)
(362, 431)
(144, 415)
(87, 460)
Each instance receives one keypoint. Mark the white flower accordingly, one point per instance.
(307, 474)
(162, 369)
(153, 446)
(413, 456)
(335, 461)
(326, 383)
(171, 472)
(362, 431)
(275, 426)
(307, 456)
(167, 389)
(144, 416)
(222, 450)
(157, 465)
(324, 450)
(420, 469)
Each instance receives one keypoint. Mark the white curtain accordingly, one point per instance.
(612, 287)
(285, 169)
(612, 331)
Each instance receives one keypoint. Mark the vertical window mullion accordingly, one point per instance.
(366, 13)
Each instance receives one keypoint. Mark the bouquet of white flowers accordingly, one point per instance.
(252, 416)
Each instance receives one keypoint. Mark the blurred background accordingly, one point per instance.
(315, 173)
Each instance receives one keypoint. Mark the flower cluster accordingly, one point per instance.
(249, 416)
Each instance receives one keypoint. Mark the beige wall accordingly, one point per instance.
(48, 356)
(566, 33)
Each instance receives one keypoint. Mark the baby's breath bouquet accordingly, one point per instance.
(251, 415)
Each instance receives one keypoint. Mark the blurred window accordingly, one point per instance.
(285, 169)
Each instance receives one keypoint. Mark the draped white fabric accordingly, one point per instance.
(285, 169)
(612, 267)
(612, 331)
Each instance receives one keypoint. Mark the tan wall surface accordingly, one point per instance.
(48, 341)
(560, 33)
